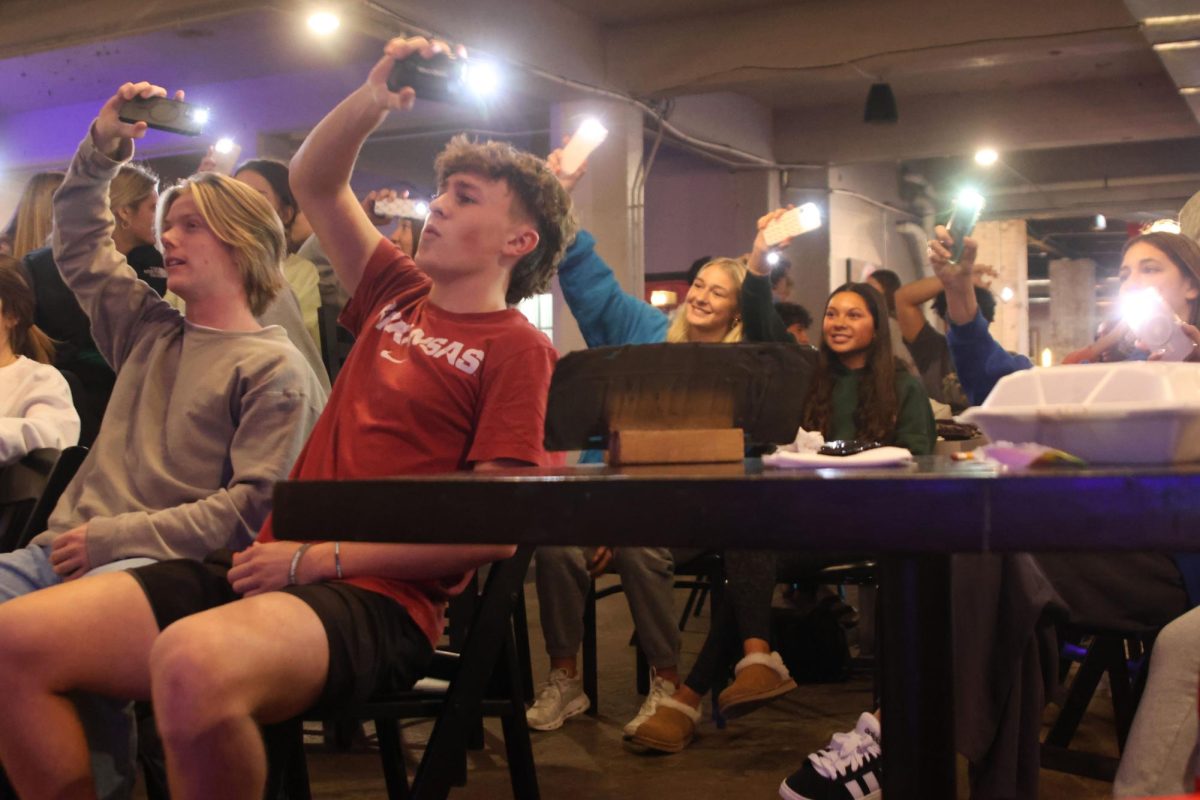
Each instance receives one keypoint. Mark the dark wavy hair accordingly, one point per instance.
(878, 403)
(276, 174)
(17, 304)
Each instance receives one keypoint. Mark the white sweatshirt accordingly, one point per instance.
(35, 410)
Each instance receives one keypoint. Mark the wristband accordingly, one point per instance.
(296, 562)
(337, 559)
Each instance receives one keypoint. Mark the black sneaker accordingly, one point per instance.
(849, 768)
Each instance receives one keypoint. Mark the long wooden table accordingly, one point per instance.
(914, 516)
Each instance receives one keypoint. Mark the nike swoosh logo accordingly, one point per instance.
(388, 355)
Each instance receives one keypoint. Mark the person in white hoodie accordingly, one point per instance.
(35, 401)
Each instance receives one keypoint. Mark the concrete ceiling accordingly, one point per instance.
(1025, 75)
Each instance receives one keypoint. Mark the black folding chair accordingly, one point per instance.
(482, 680)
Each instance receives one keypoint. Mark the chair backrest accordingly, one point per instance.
(21, 485)
(89, 424)
(336, 341)
(64, 470)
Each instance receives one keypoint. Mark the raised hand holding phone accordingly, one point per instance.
(555, 162)
(109, 131)
(397, 50)
(590, 135)
(958, 277)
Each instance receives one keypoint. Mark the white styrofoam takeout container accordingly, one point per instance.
(1126, 413)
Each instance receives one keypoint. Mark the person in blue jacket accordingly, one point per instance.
(712, 311)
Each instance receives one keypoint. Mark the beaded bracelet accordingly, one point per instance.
(337, 559)
(300, 551)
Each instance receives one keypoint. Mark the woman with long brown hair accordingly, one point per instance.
(858, 391)
(35, 402)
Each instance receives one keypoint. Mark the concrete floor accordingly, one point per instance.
(749, 758)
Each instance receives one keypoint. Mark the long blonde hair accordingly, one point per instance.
(735, 269)
(132, 184)
(243, 219)
(35, 218)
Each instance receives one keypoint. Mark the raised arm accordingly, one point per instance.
(605, 313)
(760, 321)
(909, 298)
(106, 287)
(979, 359)
(321, 168)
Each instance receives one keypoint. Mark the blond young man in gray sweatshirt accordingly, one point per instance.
(208, 409)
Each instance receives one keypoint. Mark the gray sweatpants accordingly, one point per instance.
(1161, 756)
(648, 578)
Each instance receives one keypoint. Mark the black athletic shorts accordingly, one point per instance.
(374, 645)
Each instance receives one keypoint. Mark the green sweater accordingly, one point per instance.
(915, 428)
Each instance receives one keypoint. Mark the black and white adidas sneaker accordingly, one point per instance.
(849, 768)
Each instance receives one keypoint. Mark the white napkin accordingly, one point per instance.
(879, 457)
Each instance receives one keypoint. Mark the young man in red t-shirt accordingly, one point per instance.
(445, 375)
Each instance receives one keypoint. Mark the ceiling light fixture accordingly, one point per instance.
(881, 104)
(986, 157)
(1187, 44)
(1178, 19)
(323, 23)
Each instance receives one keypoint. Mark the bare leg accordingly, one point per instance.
(93, 635)
(217, 675)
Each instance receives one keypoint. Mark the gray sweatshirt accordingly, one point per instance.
(201, 423)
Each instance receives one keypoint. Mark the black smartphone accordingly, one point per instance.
(165, 114)
(968, 206)
(438, 78)
(847, 447)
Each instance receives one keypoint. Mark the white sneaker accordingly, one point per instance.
(658, 690)
(560, 698)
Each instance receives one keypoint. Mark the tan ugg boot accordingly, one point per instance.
(669, 730)
(760, 679)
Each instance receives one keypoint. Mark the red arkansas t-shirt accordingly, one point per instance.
(425, 391)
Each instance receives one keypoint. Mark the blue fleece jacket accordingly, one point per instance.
(605, 313)
(979, 359)
(980, 362)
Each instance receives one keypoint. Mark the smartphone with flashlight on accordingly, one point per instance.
(968, 206)
(441, 77)
(224, 156)
(402, 207)
(1155, 325)
(590, 134)
(165, 114)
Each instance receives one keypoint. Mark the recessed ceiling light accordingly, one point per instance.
(323, 23)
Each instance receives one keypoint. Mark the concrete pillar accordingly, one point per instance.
(1002, 244)
(755, 193)
(607, 201)
(1072, 305)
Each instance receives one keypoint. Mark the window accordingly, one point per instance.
(539, 310)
